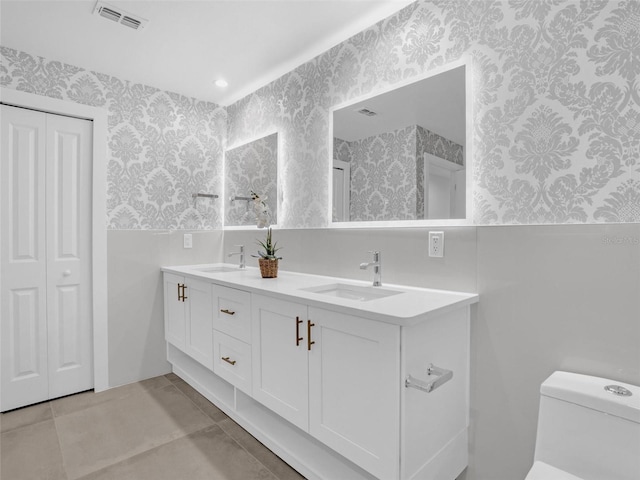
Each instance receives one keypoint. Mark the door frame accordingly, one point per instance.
(99, 214)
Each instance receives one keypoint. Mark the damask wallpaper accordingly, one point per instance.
(163, 147)
(251, 167)
(387, 172)
(556, 115)
(556, 105)
(383, 176)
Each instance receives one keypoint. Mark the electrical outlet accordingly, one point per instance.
(188, 240)
(436, 244)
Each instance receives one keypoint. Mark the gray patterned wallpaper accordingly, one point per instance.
(387, 172)
(556, 114)
(162, 146)
(383, 176)
(251, 167)
(556, 105)
(341, 150)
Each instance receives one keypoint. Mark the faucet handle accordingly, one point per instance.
(376, 255)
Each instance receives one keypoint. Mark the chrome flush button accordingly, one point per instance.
(618, 390)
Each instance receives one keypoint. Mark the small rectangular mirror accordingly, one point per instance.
(251, 167)
(402, 155)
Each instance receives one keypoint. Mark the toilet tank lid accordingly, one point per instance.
(590, 392)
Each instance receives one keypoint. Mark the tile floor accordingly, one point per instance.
(158, 429)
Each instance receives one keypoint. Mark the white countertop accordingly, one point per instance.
(411, 306)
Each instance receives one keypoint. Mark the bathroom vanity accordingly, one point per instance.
(340, 379)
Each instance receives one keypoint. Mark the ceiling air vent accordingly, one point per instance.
(367, 112)
(131, 22)
(118, 15)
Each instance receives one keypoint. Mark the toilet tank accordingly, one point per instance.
(588, 431)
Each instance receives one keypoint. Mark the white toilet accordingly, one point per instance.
(588, 429)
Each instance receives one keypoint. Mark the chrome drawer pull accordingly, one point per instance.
(226, 359)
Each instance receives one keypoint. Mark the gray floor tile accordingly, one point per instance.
(105, 434)
(269, 459)
(201, 402)
(25, 416)
(172, 377)
(80, 401)
(31, 452)
(206, 454)
(160, 428)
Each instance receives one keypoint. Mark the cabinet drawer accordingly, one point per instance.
(232, 312)
(232, 360)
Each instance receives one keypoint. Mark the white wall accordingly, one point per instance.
(137, 349)
(551, 297)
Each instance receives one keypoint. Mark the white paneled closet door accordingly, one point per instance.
(45, 259)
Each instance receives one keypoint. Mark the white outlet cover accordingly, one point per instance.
(188, 240)
(436, 244)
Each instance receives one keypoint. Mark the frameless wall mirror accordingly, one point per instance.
(252, 167)
(402, 155)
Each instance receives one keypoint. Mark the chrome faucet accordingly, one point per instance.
(243, 263)
(377, 268)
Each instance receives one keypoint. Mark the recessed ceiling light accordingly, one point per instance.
(221, 83)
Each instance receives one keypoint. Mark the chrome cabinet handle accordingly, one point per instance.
(441, 375)
(231, 362)
(228, 312)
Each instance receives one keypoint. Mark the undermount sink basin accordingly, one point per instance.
(216, 269)
(352, 292)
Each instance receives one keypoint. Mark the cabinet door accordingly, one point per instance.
(199, 320)
(174, 310)
(280, 373)
(354, 389)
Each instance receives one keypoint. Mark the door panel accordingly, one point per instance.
(69, 299)
(23, 267)
(45, 256)
(24, 334)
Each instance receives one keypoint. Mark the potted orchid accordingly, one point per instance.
(261, 210)
(267, 258)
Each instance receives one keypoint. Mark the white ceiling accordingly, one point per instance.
(189, 44)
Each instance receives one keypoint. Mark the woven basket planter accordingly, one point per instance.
(268, 267)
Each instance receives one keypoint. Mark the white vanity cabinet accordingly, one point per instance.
(339, 388)
(333, 375)
(188, 316)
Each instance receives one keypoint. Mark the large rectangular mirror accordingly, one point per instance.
(251, 167)
(402, 155)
